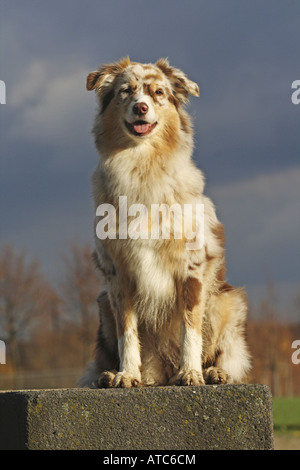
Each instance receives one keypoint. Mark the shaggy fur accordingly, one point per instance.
(167, 315)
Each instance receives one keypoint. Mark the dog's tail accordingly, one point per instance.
(89, 376)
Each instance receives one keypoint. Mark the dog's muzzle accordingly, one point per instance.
(140, 127)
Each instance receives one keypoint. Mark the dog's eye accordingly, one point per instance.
(127, 90)
(159, 92)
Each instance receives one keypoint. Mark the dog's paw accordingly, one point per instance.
(105, 379)
(189, 377)
(215, 375)
(125, 380)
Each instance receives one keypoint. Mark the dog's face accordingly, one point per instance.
(140, 100)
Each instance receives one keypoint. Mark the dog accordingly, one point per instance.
(167, 316)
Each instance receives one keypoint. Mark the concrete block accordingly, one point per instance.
(177, 418)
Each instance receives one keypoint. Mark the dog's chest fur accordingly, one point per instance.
(154, 265)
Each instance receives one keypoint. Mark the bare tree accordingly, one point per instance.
(80, 291)
(270, 338)
(22, 289)
(269, 312)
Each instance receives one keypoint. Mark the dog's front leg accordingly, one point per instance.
(129, 349)
(191, 306)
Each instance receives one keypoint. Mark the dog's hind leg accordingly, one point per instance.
(100, 372)
(106, 353)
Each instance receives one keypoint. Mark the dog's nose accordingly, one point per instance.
(140, 108)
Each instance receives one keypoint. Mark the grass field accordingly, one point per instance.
(286, 415)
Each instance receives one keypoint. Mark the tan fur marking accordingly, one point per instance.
(191, 291)
(221, 273)
(152, 77)
(219, 233)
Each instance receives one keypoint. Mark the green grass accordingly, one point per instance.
(286, 415)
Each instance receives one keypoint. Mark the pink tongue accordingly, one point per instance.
(141, 128)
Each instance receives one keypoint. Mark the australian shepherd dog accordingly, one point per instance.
(167, 315)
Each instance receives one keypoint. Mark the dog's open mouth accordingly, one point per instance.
(140, 128)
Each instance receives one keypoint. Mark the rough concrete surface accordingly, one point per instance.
(176, 418)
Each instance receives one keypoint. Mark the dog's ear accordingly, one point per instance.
(181, 85)
(93, 80)
(105, 75)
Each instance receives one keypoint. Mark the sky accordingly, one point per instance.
(243, 54)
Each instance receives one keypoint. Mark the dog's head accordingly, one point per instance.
(140, 100)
